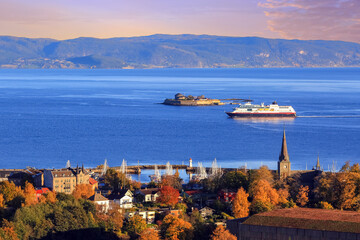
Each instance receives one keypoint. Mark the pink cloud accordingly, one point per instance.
(309, 19)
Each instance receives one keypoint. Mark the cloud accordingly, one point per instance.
(314, 19)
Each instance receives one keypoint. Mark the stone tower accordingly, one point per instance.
(284, 165)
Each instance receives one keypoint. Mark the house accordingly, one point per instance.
(148, 216)
(226, 195)
(123, 198)
(65, 180)
(41, 191)
(149, 194)
(101, 201)
(206, 212)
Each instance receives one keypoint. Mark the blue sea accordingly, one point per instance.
(50, 116)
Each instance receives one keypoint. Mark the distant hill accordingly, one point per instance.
(175, 51)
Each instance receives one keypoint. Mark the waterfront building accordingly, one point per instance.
(65, 180)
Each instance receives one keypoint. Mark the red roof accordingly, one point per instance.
(192, 192)
(42, 190)
(92, 181)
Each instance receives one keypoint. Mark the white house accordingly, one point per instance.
(148, 216)
(123, 198)
(101, 201)
(150, 194)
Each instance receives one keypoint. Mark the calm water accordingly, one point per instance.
(50, 116)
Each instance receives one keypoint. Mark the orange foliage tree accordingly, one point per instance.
(302, 196)
(10, 191)
(283, 195)
(149, 234)
(83, 191)
(263, 192)
(113, 220)
(168, 195)
(174, 228)
(220, 233)
(7, 231)
(29, 194)
(241, 204)
(2, 202)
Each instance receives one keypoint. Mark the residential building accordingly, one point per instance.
(101, 201)
(206, 212)
(65, 180)
(149, 194)
(148, 216)
(226, 195)
(123, 198)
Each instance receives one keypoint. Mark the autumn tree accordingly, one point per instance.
(283, 195)
(263, 192)
(220, 233)
(263, 173)
(234, 180)
(169, 195)
(302, 196)
(149, 234)
(135, 226)
(83, 191)
(2, 201)
(12, 194)
(174, 228)
(111, 221)
(50, 197)
(241, 204)
(29, 194)
(7, 231)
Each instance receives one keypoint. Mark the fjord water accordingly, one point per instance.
(50, 116)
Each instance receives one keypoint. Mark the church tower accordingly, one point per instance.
(284, 165)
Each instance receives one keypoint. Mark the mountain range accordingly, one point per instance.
(175, 51)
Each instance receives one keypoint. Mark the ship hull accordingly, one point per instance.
(255, 115)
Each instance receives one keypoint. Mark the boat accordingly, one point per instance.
(249, 110)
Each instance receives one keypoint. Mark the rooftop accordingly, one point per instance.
(309, 218)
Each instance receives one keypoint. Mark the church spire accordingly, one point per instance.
(284, 156)
(318, 167)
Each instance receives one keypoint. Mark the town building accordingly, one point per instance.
(100, 201)
(65, 180)
(206, 212)
(147, 215)
(226, 195)
(123, 198)
(149, 194)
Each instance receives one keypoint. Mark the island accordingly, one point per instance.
(182, 100)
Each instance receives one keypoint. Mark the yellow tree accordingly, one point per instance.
(2, 202)
(220, 233)
(29, 194)
(174, 228)
(283, 195)
(302, 196)
(240, 204)
(263, 192)
(149, 234)
(83, 191)
(135, 226)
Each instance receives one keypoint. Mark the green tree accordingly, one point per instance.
(136, 226)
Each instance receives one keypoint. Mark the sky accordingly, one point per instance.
(289, 19)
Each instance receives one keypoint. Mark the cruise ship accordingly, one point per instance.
(249, 110)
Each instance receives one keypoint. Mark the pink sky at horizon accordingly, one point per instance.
(290, 19)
